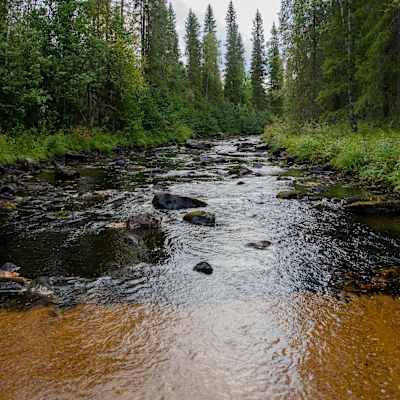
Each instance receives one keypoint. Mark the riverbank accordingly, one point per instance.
(371, 155)
(44, 147)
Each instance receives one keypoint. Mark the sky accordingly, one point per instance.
(246, 10)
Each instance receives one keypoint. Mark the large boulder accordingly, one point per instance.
(167, 201)
(200, 218)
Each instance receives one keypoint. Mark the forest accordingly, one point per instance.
(94, 74)
(113, 71)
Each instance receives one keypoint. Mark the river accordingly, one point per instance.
(267, 324)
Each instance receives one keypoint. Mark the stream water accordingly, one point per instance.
(135, 323)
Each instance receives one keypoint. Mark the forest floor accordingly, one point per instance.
(372, 155)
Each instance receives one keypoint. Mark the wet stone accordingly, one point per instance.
(200, 218)
(204, 268)
(167, 201)
(66, 173)
(261, 245)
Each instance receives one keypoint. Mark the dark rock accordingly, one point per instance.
(263, 147)
(192, 145)
(2, 170)
(277, 152)
(292, 195)
(261, 245)
(167, 201)
(7, 206)
(26, 165)
(9, 267)
(9, 189)
(121, 162)
(378, 206)
(204, 268)
(144, 221)
(241, 183)
(200, 218)
(65, 173)
(239, 170)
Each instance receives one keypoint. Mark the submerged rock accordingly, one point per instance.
(65, 173)
(144, 221)
(167, 201)
(290, 195)
(377, 206)
(239, 170)
(261, 245)
(200, 218)
(192, 145)
(204, 268)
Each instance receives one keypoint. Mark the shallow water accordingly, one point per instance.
(266, 325)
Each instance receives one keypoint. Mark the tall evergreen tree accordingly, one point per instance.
(212, 86)
(234, 63)
(275, 74)
(258, 69)
(193, 54)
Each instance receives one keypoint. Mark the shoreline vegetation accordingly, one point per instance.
(371, 155)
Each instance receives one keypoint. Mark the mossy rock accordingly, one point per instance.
(290, 195)
(200, 218)
(7, 206)
(377, 206)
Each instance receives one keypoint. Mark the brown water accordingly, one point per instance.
(265, 325)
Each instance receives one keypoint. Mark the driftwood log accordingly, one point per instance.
(13, 277)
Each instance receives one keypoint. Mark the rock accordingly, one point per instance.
(277, 152)
(263, 147)
(9, 267)
(192, 145)
(144, 221)
(204, 268)
(121, 162)
(239, 170)
(2, 170)
(261, 245)
(65, 173)
(200, 218)
(26, 165)
(374, 207)
(167, 201)
(241, 183)
(7, 206)
(92, 198)
(14, 277)
(9, 189)
(292, 195)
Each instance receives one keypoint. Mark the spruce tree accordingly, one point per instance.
(258, 69)
(212, 86)
(193, 54)
(275, 74)
(234, 64)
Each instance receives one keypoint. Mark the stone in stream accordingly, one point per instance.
(200, 218)
(192, 145)
(377, 206)
(261, 245)
(290, 195)
(144, 221)
(239, 170)
(9, 274)
(65, 173)
(204, 268)
(7, 206)
(263, 147)
(9, 267)
(167, 201)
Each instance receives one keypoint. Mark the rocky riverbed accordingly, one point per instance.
(211, 270)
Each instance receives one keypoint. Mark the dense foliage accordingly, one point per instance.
(115, 66)
(342, 60)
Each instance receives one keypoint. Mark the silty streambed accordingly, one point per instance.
(134, 321)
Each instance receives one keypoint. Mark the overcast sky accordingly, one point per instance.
(246, 10)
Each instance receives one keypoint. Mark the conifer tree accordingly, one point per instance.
(212, 86)
(234, 63)
(275, 74)
(193, 54)
(258, 68)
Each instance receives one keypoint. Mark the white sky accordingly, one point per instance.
(246, 10)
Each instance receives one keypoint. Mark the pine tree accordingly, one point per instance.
(193, 54)
(275, 74)
(234, 64)
(258, 70)
(212, 86)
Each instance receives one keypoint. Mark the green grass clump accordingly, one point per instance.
(41, 147)
(373, 154)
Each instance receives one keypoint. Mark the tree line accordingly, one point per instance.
(342, 60)
(116, 65)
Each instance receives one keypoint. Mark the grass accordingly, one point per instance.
(42, 147)
(372, 154)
